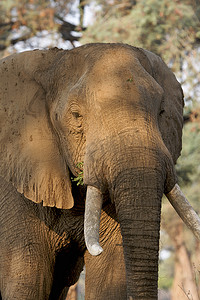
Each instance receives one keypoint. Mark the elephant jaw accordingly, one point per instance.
(93, 212)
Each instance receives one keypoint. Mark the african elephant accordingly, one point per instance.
(116, 109)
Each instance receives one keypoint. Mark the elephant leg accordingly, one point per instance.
(26, 258)
(26, 280)
(26, 267)
(105, 274)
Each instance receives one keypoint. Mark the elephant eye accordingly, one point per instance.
(76, 115)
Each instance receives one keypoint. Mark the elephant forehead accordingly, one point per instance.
(119, 74)
(114, 64)
(111, 76)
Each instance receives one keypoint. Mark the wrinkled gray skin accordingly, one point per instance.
(119, 110)
(41, 247)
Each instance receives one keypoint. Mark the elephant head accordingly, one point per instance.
(116, 108)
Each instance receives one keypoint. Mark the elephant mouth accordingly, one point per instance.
(94, 199)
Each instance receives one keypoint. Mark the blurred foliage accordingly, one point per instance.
(165, 273)
(21, 20)
(188, 166)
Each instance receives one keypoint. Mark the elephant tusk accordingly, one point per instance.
(184, 209)
(92, 220)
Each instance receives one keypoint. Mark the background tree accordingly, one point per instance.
(23, 20)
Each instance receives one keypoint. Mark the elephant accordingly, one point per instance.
(89, 142)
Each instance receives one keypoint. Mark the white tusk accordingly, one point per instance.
(92, 220)
(184, 209)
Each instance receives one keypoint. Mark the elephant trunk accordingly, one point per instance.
(136, 186)
(138, 208)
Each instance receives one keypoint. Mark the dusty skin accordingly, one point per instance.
(119, 110)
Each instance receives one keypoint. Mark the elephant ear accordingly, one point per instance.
(170, 119)
(30, 156)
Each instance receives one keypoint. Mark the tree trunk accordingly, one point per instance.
(184, 285)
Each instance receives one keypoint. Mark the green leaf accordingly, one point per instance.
(79, 178)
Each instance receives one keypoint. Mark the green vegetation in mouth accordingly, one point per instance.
(79, 178)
